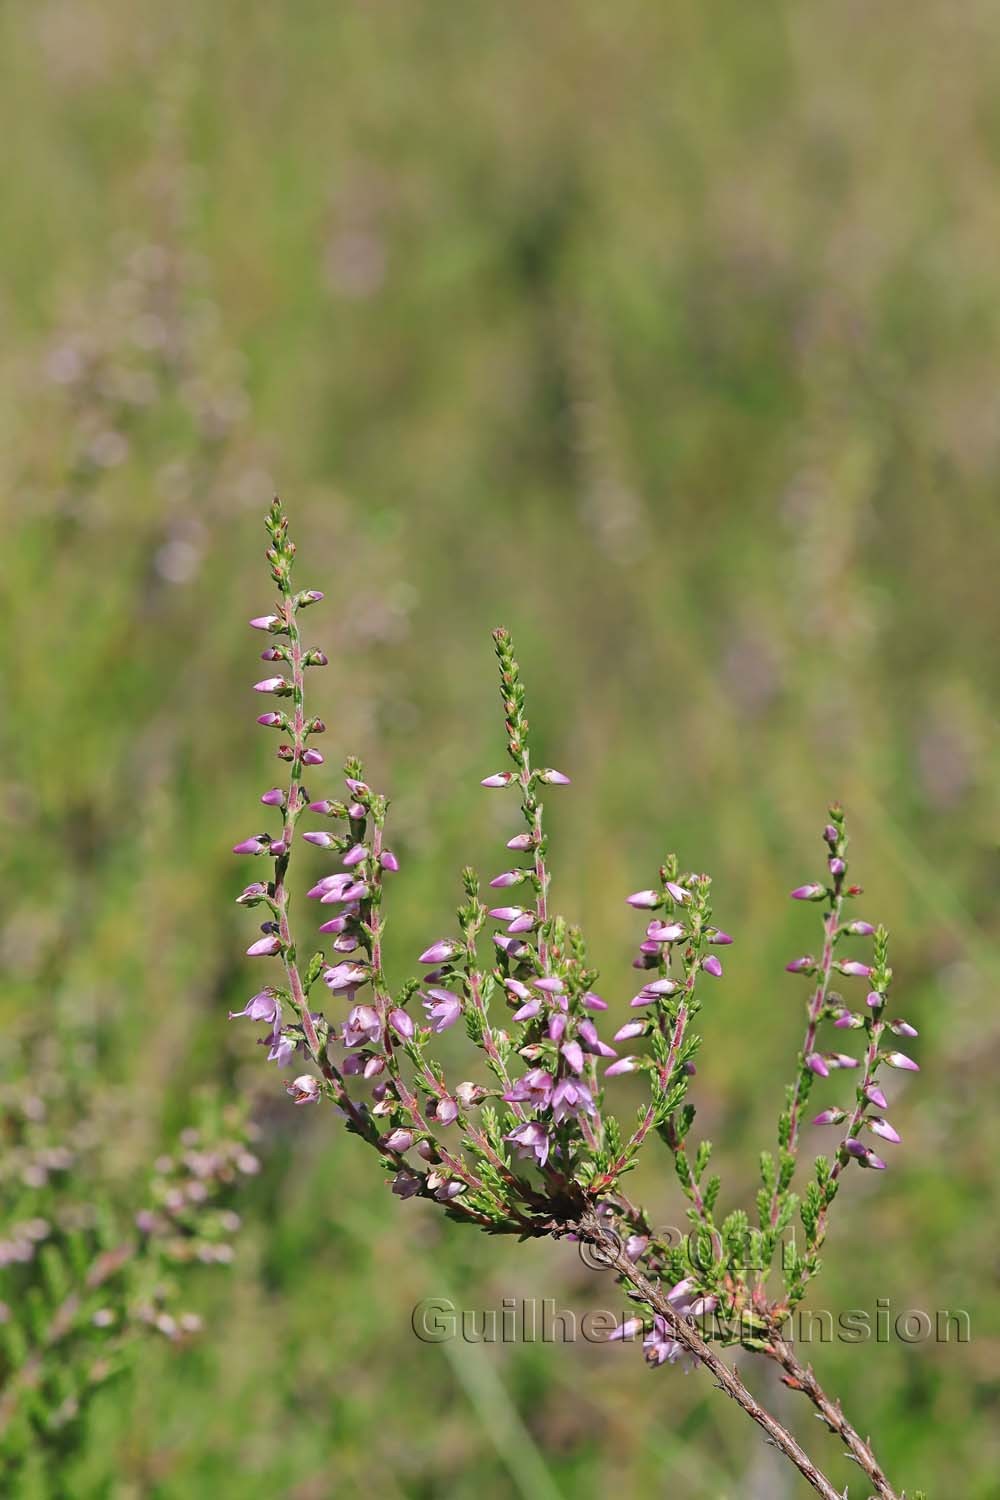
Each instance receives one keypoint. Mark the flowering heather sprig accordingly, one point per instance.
(532, 1148)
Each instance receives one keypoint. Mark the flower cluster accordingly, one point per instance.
(530, 1147)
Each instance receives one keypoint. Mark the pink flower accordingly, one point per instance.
(443, 1008)
(304, 1089)
(362, 1026)
(531, 1139)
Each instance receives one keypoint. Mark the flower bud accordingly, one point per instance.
(808, 893)
(259, 844)
(629, 1030)
(817, 1064)
(388, 861)
(648, 900)
(661, 987)
(321, 840)
(401, 1023)
(553, 778)
(441, 952)
(900, 1060)
(590, 1001)
(623, 1065)
(627, 1330)
(573, 1053)
(711, 965)
(804, 965)
(406, 1184)
(677, 892)
(398, 1140)
(266, 622)
(264, 947)
(830, 1117)
(884, 1129)
(508, 878)
(312, 757)
(345, 976)
(277, 685)
(498, 779)
(855, 970)
(664, 932)
(446, 1111)
(273, 721)
(273, 798)
(252, 894)
(903, 1028)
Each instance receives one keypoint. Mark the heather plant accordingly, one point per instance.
(530, 1146)
(96, 1254)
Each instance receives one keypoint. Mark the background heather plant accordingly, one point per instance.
(531, 1148)
(94, 1254)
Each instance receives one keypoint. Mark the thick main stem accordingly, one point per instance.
(687, 1335)
(801, 1378)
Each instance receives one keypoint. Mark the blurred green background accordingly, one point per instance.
(666, 335)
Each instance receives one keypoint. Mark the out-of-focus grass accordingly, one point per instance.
(669, 338)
